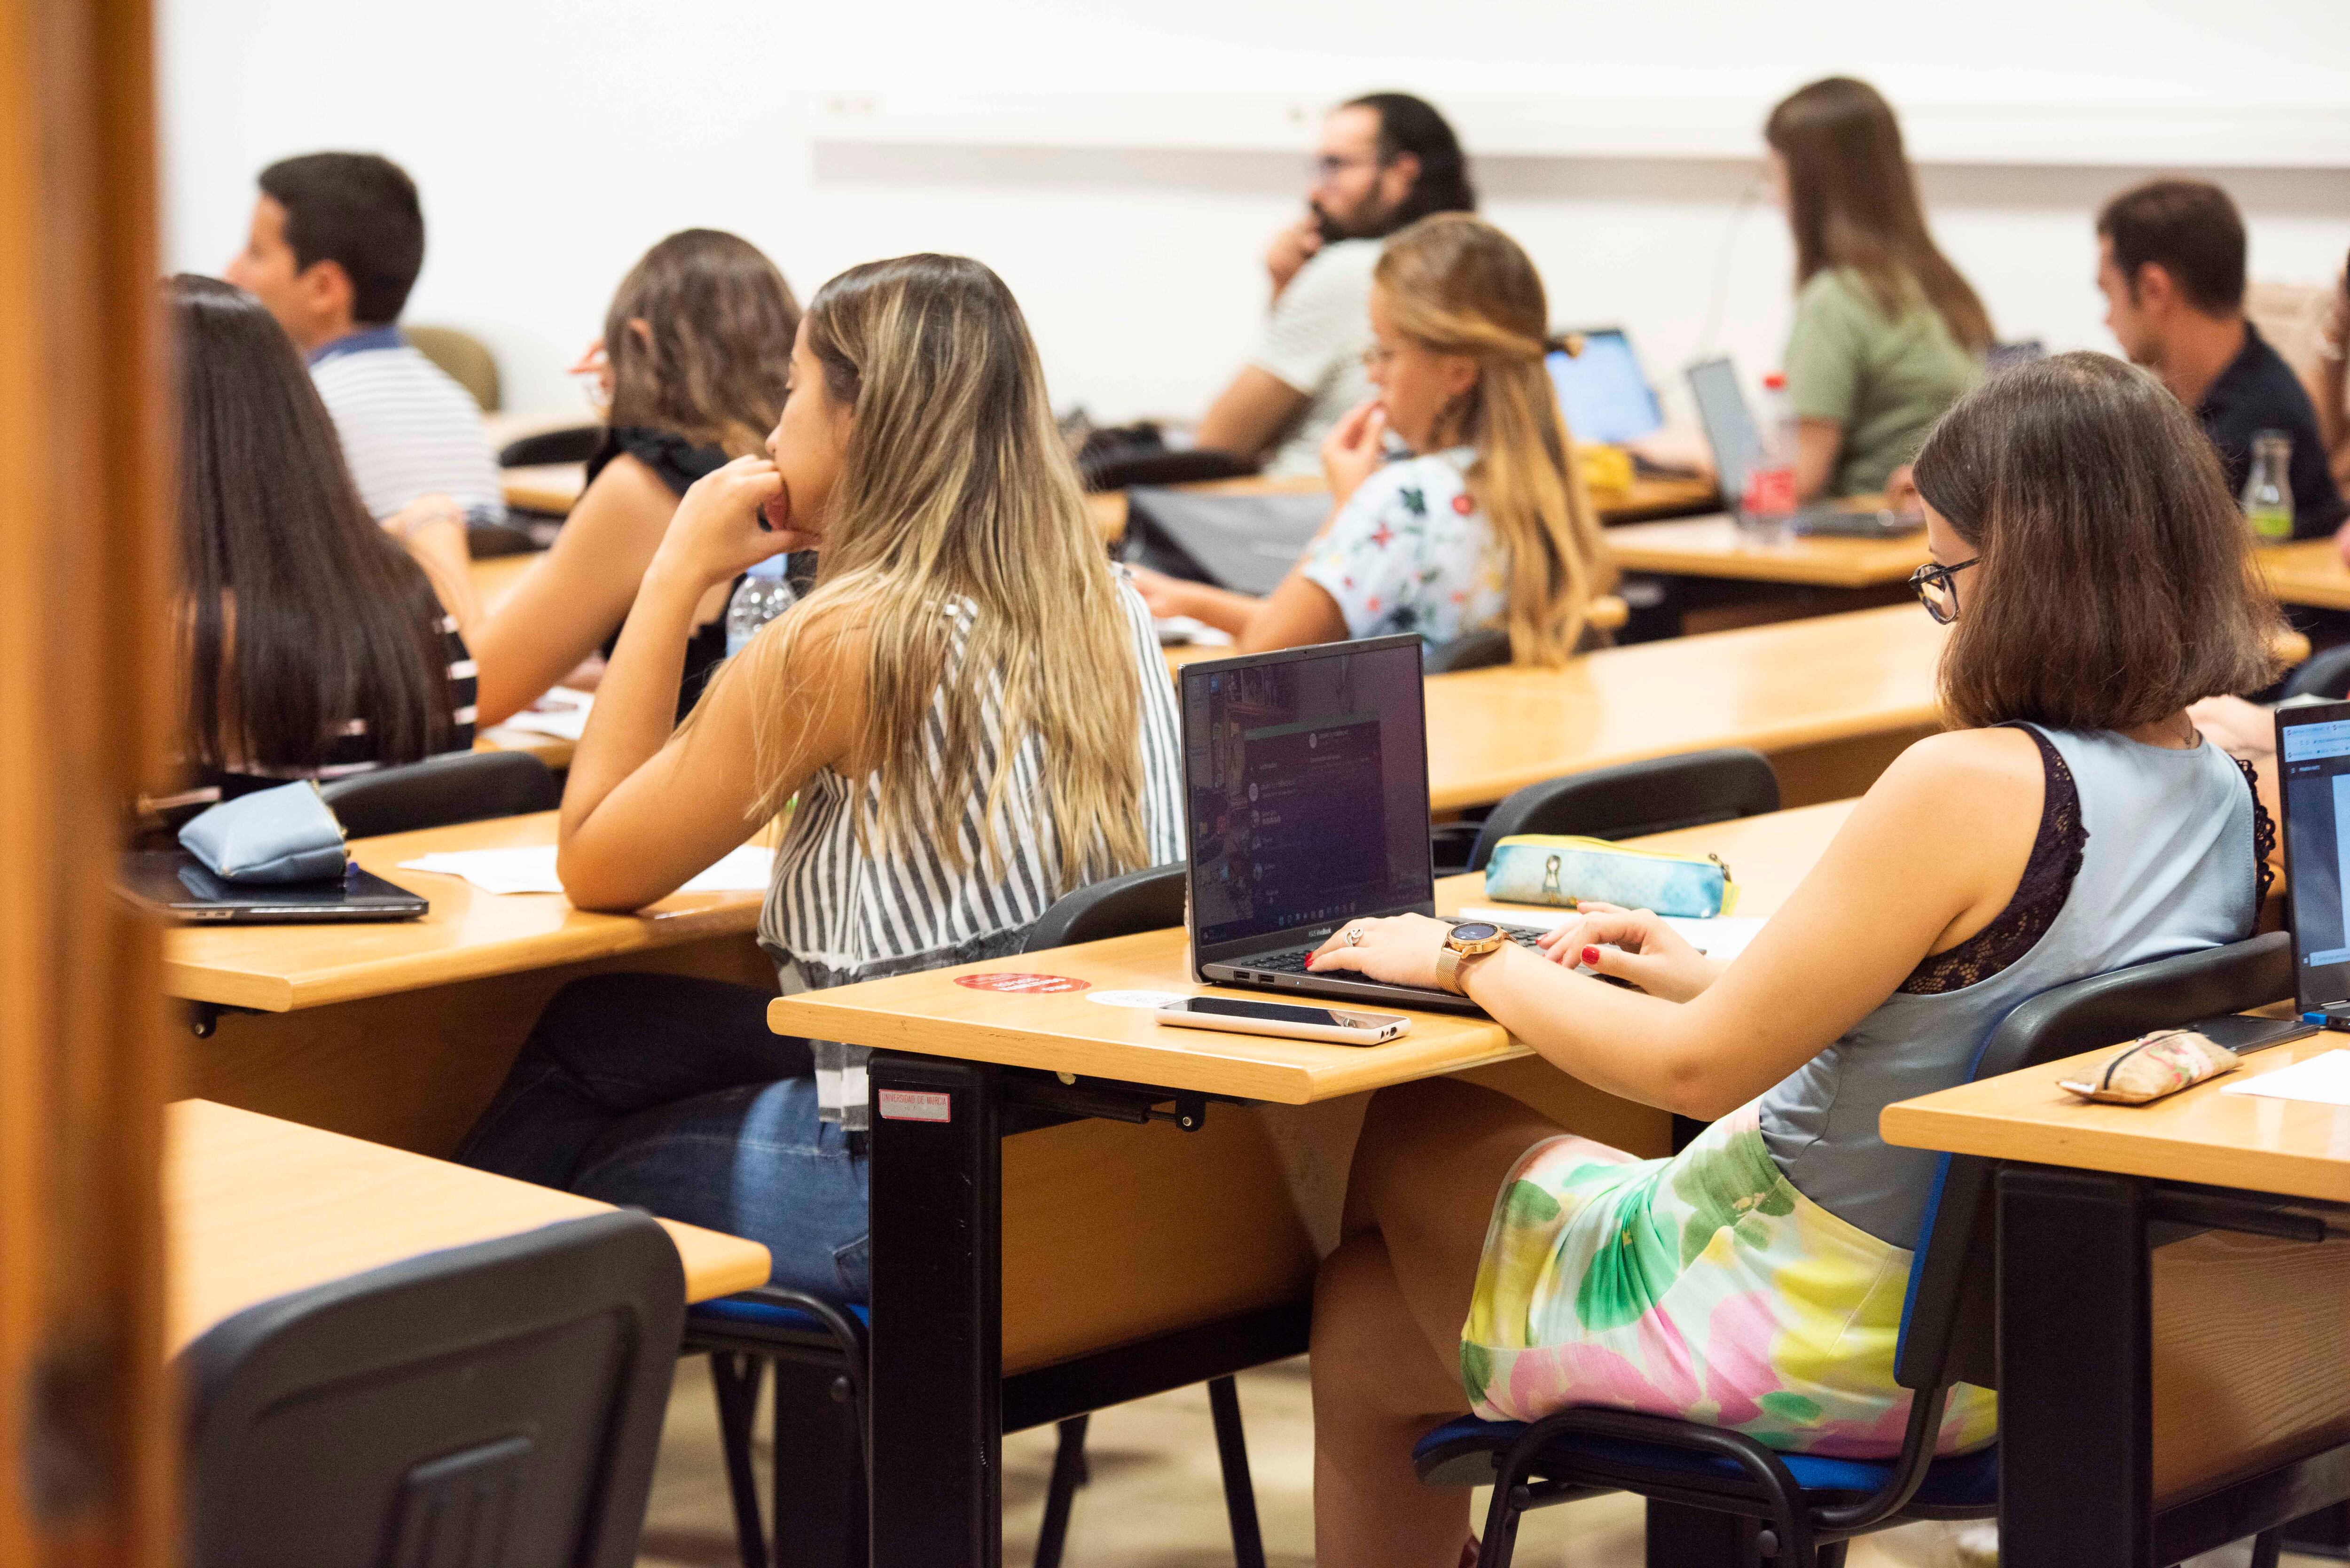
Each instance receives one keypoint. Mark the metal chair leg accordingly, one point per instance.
(1240, 1490)
(1830, 1555)
(2267, 1547)
(1068, 1475)
(736, 1380)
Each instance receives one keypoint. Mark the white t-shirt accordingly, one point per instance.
(1313, 341)
(1410, 551)
(407, 429)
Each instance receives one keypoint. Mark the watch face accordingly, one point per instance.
(1475, 931)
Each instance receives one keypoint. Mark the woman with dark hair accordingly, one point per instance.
(2091, 566)
(314, 644)
(690, 369)
(1886, 333)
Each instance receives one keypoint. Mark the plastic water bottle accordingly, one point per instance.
(762, 596)
(2268, 492)
(1770, 497)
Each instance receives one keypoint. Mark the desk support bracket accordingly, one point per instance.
(203, 1017)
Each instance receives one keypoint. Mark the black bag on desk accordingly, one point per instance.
(1245, 543)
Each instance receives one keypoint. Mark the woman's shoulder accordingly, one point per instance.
(1960, 764)
(673, 458)
(1412, 487)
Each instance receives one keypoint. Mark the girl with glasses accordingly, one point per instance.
(2071, 823)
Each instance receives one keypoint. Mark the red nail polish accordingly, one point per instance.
(1591, 958)
(1309, 960)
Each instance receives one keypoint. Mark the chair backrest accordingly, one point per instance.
(1148, 900)
(1949, 1319)
(466, 358)
(2326, 673)
(464, 786)
(1477, 651)
(494, 1406)
(1624, 801)
(574, 443)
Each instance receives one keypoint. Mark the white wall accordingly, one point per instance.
(556, 138)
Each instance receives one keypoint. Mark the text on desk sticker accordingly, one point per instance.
(1028, 985)
(915, 1105)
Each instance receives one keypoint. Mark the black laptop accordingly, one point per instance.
(1306, 804)
(2313, 783)
(174, 883)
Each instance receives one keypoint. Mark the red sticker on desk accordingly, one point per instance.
(1028, 985)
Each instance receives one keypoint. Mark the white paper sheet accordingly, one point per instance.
(2322, 1080)
(531, 870)
(562, 714)
(1720, 939)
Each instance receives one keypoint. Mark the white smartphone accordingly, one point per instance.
(1337, 1025)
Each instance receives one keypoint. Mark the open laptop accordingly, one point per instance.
(2314, 782)
(1737, 444)
(174, 883)
(1306, 806)
(1602, 389)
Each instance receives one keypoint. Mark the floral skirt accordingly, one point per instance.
(1704, 1287)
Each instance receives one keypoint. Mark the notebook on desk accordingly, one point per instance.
(1306, 806)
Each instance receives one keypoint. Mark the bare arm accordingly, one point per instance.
(1930, 857)
(1249, 415)
(646, 806)
(1817, 444)
(431, 529)
(567, 604)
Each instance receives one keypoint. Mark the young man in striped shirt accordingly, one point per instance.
(336, 240)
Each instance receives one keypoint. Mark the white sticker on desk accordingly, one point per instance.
(1150, 1001)
(915, 1105)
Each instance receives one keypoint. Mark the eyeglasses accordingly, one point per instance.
(1328, 167)
(1377, 356)
(592, 374)
(1932, 583)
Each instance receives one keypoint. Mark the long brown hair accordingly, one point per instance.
(711, 359)
(1456, 285)
(2114, 582)
(1852, 203)
(302, 614)
(956, 490)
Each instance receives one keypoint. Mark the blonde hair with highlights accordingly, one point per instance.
(956, 493)
(1454, 284)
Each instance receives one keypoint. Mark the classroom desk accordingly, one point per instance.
(1149, 1270)
(254, 1208)
(1648, 498)
(1716, 548)
(552, 488)
(2308, 573)
(399, 1031)
(2150, 1372)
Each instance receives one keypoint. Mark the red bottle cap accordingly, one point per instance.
(1774, 381)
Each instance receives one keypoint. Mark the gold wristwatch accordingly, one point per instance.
(1469, 942)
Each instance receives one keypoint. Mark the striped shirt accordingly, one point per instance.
(407, 429)
(837, 911)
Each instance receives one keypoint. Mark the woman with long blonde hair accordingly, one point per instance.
(970, 708)
(1488, 525)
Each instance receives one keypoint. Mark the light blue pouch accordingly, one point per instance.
(284, 834)
(1563, 871)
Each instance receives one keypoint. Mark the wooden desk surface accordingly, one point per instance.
(2287, 1147)
(1714, 547)
(552, 487)
(931, 1014)
(1792, 684)
(2308, 573)
(255, 1206)
(1647, 498)
(467, 935)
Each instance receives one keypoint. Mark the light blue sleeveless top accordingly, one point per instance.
(2168, 868)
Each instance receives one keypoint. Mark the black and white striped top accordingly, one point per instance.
(353, 751)
(407, 429)
(836, 913)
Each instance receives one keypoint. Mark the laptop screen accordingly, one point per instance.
(1305, 781)
(1729, 424)
(2313, 765)
(1601, 390)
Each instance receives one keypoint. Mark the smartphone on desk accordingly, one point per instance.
(1338, 1025)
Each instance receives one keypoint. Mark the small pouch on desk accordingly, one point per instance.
(284, 834)
(1564, 871)
(2157, 1064)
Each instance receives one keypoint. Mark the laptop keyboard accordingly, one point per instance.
(1292, 960)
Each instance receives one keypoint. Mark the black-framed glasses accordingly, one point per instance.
(1931, 584)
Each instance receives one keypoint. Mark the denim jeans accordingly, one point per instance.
(670, 1094)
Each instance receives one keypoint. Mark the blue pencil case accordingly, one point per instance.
(1563, 871)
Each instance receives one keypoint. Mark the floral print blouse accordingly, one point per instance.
(1410, 552)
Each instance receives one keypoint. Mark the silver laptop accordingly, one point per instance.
(1306, 805)
(1737, 444)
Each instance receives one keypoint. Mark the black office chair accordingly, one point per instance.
(1800, 1509)
(576, 444)
(463, 787)
(1636, 798)
(496, 1405)
(2326, 673)
(819, 1351)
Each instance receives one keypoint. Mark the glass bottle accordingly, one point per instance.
(2268, 493)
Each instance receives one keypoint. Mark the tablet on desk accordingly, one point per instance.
(174, 883)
